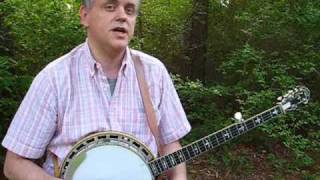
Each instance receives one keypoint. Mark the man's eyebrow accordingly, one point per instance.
(110, 1)
(131, 4)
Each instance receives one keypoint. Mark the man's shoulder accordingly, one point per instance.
(59, 70)
(148, 60)
(65, 62)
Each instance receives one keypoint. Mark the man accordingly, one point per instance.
(93, 88)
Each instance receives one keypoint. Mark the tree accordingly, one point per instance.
(197, 40)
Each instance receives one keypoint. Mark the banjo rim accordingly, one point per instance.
(131, 140)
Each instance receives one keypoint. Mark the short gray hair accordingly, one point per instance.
(88, 3)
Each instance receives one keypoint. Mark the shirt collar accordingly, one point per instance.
(93, 65)
(91, 62)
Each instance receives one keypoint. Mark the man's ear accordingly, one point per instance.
(84, 16)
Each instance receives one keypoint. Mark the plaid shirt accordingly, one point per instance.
(70, 98)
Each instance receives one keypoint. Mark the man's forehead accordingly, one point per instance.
(121, 1)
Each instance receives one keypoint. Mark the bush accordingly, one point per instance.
(256, 79)
(12, 89)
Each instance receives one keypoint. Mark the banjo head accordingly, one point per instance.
(108, 156)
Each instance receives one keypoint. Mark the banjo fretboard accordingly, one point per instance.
(158, 166)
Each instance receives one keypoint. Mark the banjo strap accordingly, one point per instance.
(55, 164)
(147, 103)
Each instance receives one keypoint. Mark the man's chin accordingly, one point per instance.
(120, 46)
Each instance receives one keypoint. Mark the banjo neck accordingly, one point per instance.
(164, 163)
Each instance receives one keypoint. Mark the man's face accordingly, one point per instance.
(110, 23)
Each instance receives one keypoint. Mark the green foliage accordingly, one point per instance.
(43, 30)
(257, 78)
(277, 163)
(161, 29)
(201, 104)
(237, 163)
(245, 68)
(308, 176)
(12, 88)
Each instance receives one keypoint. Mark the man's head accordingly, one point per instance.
(109, 23)
(88, 3)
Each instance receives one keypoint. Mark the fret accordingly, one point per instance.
(214, 140)
(164, 163)
(159, 165)
(189, 154)
(207, 144)
(190, 150)
(234, 131)
(176, 157)
(186, 153)
(241, 128)
(154, 169)
(230, 133)
(202, 146)
(226, 134)
(265, 116)
(245, 126)
(269, 115)
(254, 121)
(195, 149)
(166, 158)
(250, 124)
(220, 137)
(181, 156)
(173, 162)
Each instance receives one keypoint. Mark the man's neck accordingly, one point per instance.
(110, 59)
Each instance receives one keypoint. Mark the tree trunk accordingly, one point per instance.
(197, 41)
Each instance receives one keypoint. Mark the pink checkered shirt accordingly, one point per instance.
(70, 98)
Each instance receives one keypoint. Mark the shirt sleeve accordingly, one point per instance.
(35, 121)
(173, 124)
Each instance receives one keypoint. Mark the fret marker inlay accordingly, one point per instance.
(227, 135)
(258, 121)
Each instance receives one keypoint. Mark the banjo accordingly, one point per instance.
(118, 156)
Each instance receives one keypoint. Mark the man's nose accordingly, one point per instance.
(121, 14)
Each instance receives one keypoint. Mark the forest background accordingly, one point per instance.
(224, 55)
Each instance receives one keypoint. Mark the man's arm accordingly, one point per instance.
(180, 171)
(17, 167)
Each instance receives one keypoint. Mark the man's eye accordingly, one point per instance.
(110, 7)
(130, 11)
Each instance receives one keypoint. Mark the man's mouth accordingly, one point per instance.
(120, 29)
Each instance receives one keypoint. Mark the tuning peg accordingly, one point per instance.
(238, 117)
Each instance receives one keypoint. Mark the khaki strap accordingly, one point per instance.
(147, 103)
(55, 164)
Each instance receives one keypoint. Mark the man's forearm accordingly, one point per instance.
(180, 171)
(19, 168)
